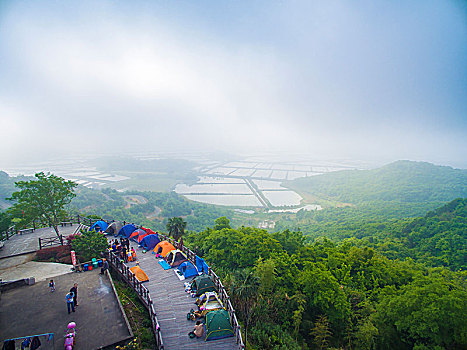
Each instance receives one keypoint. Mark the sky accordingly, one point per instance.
(341, 79)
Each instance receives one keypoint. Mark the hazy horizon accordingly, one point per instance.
(338, 79)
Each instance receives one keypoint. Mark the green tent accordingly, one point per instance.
(218, 325)
(202, 284)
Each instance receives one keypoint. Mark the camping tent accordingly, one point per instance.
(201, 265)
(218, 325)
(139, 273)
(134, 235)
(114, 228)
(175, 258)
(148, 230)
(188, 269)
(99, 226)
(202, 284)
(127, 230)
(149, 242)
(141, 236)
(208, 302)
(163, 248)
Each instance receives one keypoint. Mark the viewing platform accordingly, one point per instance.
(163, 295)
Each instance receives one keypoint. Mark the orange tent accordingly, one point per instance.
(163, 248)
(139, 273)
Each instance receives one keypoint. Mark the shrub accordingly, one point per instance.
(71, 237)
(57, 254)
(89, 244)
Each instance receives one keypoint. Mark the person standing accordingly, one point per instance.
(105, 266)
(52, 286)
(124, 254)
(74, 290)
(69, 302)
(127, 242)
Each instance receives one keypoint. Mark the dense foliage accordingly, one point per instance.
(436, 239)
(89, 244)
(323, 295)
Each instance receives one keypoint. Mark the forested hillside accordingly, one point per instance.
(293, 295)
(150, 209)
(437, 239)
(403, 187)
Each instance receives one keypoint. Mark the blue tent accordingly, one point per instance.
(201, 265)
(188, 269)
(126, 230)
(99, 226)
(149, 242)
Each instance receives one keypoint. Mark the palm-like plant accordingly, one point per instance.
(244, 288)
(176, 227)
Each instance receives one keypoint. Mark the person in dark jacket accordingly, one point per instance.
(105, 266)
(74, 290)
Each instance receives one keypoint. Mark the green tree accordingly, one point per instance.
(5, 222)
(45, 198)
(176, 227)
(321, 332)
(222, 222)
(89, 244)
(427, 312)
(244, 288)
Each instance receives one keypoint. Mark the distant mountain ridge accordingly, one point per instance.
(401, 181)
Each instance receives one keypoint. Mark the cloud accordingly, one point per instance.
(328, 79)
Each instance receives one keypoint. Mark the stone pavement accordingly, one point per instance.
(34, 309)
(21, 267)
(29, 242)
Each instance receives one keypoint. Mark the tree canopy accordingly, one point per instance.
(176, 227)
(44, 198)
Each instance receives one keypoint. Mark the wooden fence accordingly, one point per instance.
(50, 242)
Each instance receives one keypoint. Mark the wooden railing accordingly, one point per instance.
(222, 292)
(143, 294)
(50, 242)
(38, 223)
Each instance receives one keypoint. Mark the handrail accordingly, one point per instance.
(143, 294)
(222, 291)
(38, 223)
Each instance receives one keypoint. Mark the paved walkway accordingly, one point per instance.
(172, 304)
(34, 310)
(21, 267)
(29, 242)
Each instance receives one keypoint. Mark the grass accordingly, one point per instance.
(137, 315)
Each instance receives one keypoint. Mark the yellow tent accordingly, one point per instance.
(163, 248)
(139, 273)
